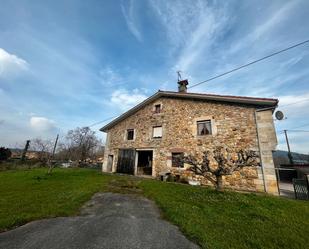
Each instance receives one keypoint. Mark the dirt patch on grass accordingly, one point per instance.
(127, 185)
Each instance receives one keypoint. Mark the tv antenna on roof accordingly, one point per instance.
(179, 76)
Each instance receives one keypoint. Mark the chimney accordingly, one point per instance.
(182, 86)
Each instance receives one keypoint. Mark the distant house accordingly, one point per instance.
(295, 166)
(148, 139)
(16, 153)
(31, 154)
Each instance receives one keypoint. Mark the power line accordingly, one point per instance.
(301, 126)
(228, 72)
(102, 121)
(299, 130)
(294, 131)
(99, 122)
(304, 100)
(233, 70)
(294, 128)
(248, 64)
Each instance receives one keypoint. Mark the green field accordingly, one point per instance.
(30, 194)
(211, 219)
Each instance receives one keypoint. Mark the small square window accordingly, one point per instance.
(177, 160)
(157, 108)
(204, 127)
(130, 134)
(157, 131)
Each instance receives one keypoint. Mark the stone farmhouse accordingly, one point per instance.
(149, 138)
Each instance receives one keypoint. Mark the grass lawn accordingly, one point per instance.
(211, 219)
(230, 219)
(27, 195)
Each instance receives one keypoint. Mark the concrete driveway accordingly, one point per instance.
(107, 221)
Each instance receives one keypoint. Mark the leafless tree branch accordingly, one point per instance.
(227, 163)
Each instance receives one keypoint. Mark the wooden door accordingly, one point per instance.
(126, 161)
(110, 163)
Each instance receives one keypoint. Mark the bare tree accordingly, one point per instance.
(80, 144)
(227, 162)
(42, 147)
(63, 152)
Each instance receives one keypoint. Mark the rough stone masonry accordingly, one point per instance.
(234, 125)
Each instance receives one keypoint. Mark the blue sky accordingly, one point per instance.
(72, 63)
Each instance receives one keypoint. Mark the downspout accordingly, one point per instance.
(259, 144)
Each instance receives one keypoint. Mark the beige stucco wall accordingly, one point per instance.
(232, 125)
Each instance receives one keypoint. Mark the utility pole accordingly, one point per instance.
(288, 144)
(49, 163)
(55, 145)
(23, 156)
(179, 75)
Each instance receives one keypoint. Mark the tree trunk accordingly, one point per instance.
(219, 186)
(50, 168)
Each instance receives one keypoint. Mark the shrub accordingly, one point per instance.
(5, 154)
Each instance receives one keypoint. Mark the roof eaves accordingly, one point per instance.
(132, 110)
(262, 102)
(225, 98)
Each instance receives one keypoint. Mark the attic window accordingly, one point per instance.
(204, 127)
(157, 131)
(157, 108)
(130, 134)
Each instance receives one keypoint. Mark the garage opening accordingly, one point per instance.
(144, 162)
(126, 161)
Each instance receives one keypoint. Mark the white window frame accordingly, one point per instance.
(214, 130)
(160, 134)
(154, 108)
(204, 121)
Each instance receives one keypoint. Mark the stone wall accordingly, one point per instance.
(232, 125)
(267, 143)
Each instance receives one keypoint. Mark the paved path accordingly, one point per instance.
(108, 221)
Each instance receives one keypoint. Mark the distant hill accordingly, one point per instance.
(281, 157)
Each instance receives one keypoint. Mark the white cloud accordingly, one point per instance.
(191, 28)
(123, 99)
(110, 77)
(42, 124)
(266, 28)
(129, 16)
(296, 111)
(296, 100)
(298, 141)
(295, 107)
(11, 64)
(276, 18)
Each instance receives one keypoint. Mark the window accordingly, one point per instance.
(204, 127)
(177, 160)
(157, 131)
(130, 134)
(157, 108)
